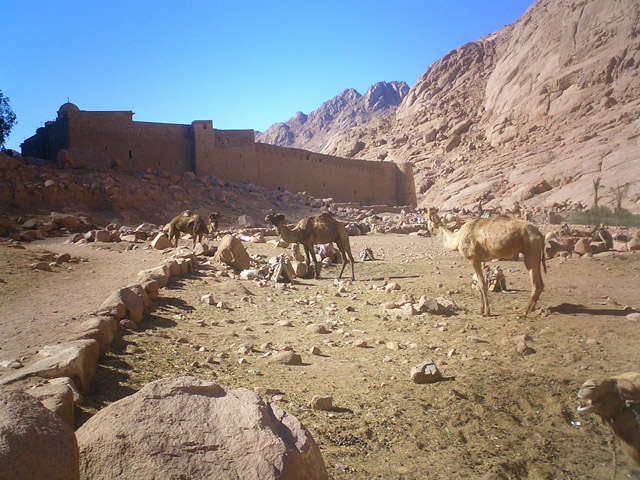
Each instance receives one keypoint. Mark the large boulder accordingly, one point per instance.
(232, 252)
(124, 303)
(188, 428)
(35, 443)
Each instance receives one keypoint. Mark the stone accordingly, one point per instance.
(56, 397)
(634, 317)
(426, 372)
(161, 242)
(124, 303)
(35, 443)
(64, 159)
(299, 268)
(208, 299)
(619, 246)
(232, 252)
(321, 402)
(159, 274)
(391, 286)
(286, 358)
(103, 325)
(317, 328)
(246, 221)
(44, 266)
(189, 428)
(315, 350)
(76, 359)
(66, 221)
(102, 236)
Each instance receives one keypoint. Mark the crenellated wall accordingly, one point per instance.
(113, 139)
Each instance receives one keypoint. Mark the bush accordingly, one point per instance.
(605, 216)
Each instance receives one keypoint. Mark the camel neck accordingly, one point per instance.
(449, 239)
(285, 233)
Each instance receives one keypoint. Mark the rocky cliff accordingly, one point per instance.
(532, 113)
(344, 111)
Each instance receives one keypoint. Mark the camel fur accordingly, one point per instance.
(187, 223)
(617, 401)
(483, 239)
(312, 231)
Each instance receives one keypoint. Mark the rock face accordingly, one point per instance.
(34, 442)
(346, 110)
(554, 97)
(187, 428)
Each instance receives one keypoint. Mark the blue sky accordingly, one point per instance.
(242, 64)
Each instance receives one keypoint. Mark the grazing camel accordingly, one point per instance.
(187, 223)
(483, 239)
(312, 231)
(617, 401)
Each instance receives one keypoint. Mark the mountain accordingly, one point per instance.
(346, 110)
(532, 113)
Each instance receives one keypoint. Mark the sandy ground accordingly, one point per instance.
(497, 413)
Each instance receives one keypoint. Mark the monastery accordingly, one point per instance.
(115, 140)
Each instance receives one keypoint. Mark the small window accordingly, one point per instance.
(130, 154)
(204, 126)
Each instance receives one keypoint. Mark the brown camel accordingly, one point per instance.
(483, 239)
(617, 401)
(190, 223)
(312, 231)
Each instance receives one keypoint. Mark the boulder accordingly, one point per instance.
(582, 246)
(67, 221)
(245, 221)
(64, 159)
(35, 443)
(161, 241)
(124, 303)
(56, 397)
(633, 244)
(76, 359)
(102, 236)
(232, 252)
(160, 275)
(189, 428)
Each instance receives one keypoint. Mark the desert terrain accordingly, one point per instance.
(499, 412)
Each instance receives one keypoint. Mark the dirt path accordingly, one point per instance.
(39, 307)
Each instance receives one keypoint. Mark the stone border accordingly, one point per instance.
(75, 361)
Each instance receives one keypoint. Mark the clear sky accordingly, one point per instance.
(242, 64)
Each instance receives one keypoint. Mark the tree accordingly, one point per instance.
(596, 187)
(619, 193)
(7, 119)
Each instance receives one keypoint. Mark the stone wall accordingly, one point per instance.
(113, 139)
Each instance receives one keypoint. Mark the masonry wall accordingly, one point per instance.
(48, 140)
(345, 180)
(105, 139)
(227, 154)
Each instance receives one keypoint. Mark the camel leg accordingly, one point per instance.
(345, 252)
(484, 300)
(537, 286)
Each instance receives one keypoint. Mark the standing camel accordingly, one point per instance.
(483, 239)
(312, 231)
(187, 222)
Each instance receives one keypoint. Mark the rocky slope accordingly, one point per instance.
(344, 111)
(532, 113)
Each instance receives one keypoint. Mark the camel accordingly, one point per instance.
(483, 239)
(617, 401)
(187, 222)
(312, 231)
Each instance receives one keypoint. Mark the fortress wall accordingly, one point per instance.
(100, 139)
(226, 154)
(48, 140)
(345, 180)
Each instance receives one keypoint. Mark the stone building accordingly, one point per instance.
(114, 140)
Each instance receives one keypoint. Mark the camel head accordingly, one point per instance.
(214, 216)
(604, 396)
(432, 216)
(275, 219)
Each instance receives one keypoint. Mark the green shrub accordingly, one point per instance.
(606, 216)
